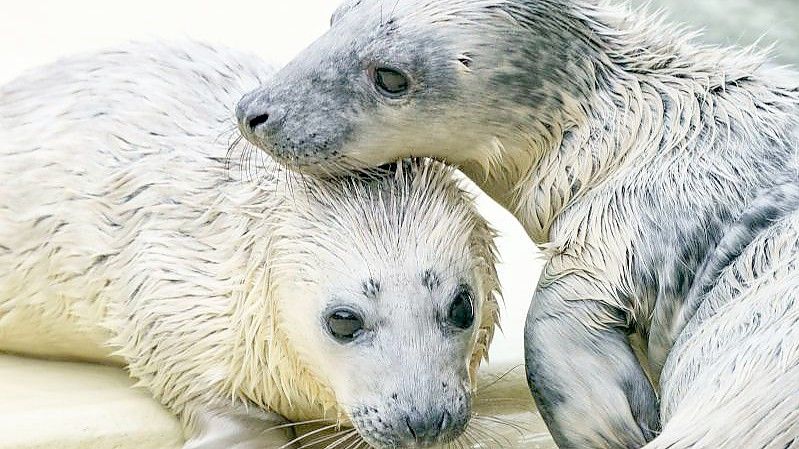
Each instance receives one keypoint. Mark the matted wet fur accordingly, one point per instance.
(628, 151)
(133, 231)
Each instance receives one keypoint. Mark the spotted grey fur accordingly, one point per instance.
(626, 150)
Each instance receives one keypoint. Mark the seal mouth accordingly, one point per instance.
(322, 165)
(337, 167)
(411, 429)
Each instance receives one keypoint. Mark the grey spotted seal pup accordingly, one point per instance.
(238, 303)
(628, 151)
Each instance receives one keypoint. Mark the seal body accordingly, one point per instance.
(134, 231)
(628, 152)
(736, 359)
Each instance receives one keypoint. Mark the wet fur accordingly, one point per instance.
(130, 235)
(629, 152)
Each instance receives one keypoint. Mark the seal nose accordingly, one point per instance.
(254, 122)
(425, 430)
(254, 114)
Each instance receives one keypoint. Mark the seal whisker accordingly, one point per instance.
(335, 436)
(244, 161)
(308, 435)
(344, 439)
(462, 439)
(354, 444)
(495, 437)
(484, 438)
(230, 130)
(303, 181)
(497, 420)
(391, 14)
(252, 152)
(483, 388)
(471, 441)
(297, 423)
(231, 147)
(287, 180)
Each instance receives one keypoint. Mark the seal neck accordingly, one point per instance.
(658, 99)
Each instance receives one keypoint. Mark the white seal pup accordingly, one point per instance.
(239, 304)
(625, 148)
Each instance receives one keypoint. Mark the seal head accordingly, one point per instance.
(392, 306)
(444, 79)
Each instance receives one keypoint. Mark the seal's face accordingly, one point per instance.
(391, 307)
(396, 350)
(438, 78)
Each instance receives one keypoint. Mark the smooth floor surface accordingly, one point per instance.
(48, 405)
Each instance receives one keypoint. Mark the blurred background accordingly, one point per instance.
(33, 33)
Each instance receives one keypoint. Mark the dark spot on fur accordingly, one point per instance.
(41, 219)
(431, 280)
(136, 291)
(137, 192)
(101, 258)
(371, 288)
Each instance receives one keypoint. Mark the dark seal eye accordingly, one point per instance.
(345, 325)
(391, 82)
(461, 311)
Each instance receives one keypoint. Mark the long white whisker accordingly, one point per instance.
(307, 435)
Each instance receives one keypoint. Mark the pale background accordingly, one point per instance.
(38, 32)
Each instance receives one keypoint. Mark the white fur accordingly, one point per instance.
(124, 239)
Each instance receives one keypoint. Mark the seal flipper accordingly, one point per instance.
(606, 400)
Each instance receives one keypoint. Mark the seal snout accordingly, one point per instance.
(256, 117)
(425, 430)
(405, 424)
(269, 123)
(431, 427)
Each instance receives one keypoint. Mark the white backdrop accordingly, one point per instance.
(36, 32)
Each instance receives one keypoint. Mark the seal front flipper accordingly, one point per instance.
(585, 377)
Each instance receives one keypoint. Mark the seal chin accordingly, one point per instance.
(269, 126)
(316, 163)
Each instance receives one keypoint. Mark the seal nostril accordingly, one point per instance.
(258, 121)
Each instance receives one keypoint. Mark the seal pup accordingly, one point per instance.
(240, 304)
(625, 148)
